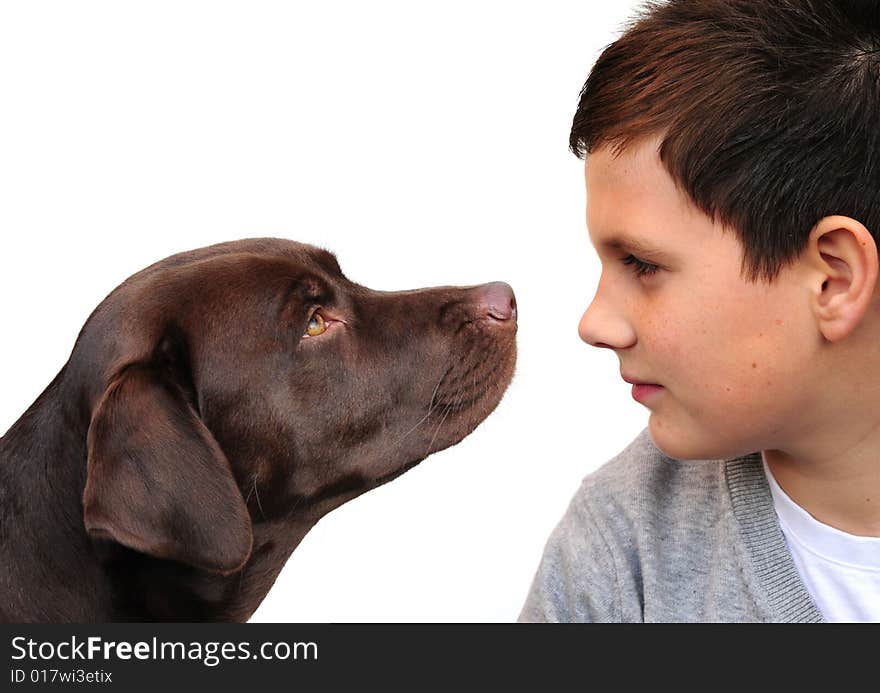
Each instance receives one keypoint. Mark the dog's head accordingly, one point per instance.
(252, 381)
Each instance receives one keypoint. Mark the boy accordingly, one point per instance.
(732, 155)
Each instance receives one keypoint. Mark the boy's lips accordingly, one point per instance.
(642, 390)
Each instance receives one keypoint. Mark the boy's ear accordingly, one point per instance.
(843, 255)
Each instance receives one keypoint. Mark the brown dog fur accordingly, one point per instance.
(195, 436)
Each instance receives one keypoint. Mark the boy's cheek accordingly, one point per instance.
(715, 420)
(727, 420)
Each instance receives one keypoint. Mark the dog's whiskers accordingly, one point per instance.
(431, 406)
(452, 406)
(437, 430)
(459, 395)
(255, 491)
(437, 387)
(403, 437)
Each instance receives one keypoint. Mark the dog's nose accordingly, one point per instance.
(498, 301)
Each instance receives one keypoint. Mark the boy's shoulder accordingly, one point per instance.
(643, 483)
(643, 506)
(651, 538)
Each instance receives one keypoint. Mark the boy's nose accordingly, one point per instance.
(601, 327)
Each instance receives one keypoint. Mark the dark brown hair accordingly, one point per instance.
(768, 111)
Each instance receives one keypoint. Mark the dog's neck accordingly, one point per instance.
(47, 568)
(148, 589)
(51, 570)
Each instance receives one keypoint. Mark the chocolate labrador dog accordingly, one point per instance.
(216, 405)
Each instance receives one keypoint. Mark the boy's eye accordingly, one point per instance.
(639, 267)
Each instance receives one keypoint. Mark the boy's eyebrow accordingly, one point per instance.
(625, 242)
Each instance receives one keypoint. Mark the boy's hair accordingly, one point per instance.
(769, 112)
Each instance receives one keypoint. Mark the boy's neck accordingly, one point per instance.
(841, 490)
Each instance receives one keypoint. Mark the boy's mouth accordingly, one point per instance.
(641, 390)
(641, 393)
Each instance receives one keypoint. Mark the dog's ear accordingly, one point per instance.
(157, 480)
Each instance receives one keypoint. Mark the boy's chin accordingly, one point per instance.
(686, 443)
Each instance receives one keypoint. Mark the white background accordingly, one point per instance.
(424, 143)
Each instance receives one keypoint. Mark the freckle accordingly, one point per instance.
(754, 365)
(760, 334)
(727, 388)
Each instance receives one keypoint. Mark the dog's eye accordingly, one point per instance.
(317, 325)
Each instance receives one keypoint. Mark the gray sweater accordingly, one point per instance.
(649, 538)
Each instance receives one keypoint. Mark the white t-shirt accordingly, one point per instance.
(840, 571)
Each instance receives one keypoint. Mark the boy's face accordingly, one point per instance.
(732, 358)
